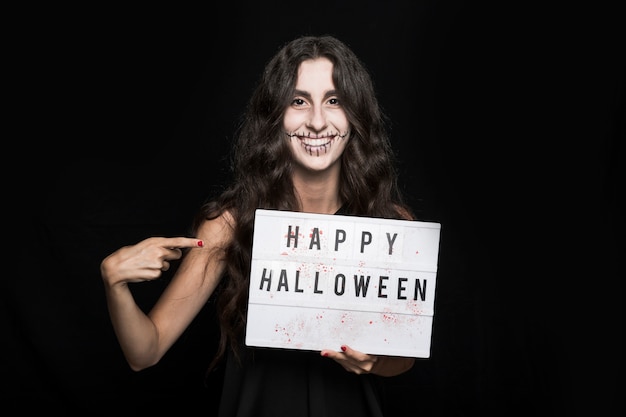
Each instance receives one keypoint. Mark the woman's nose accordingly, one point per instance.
(317, 119)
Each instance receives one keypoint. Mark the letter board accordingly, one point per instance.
(318, 281)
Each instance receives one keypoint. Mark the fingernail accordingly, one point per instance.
(343, 348)
(325, 354)
(200, 243)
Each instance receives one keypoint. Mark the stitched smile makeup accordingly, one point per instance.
(317, 145)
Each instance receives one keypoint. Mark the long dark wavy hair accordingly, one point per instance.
(262, 166)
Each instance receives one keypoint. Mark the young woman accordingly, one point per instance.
(313, 140)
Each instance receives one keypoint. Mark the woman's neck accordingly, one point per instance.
(318, 193)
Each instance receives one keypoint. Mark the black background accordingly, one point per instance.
(509, 127)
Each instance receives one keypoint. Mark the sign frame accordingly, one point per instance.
(318, 281)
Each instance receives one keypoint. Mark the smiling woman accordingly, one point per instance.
(311, 123)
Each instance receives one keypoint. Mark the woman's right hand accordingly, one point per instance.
(144, 261)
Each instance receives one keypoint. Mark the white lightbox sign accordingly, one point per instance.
(318, 281)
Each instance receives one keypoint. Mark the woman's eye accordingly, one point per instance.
(334, 101)
(298, 102)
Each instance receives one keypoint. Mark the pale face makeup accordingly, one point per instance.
(315, 122)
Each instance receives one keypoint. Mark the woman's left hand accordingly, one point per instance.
(352, 360)
(363, 363)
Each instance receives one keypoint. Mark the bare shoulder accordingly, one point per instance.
(218, 230)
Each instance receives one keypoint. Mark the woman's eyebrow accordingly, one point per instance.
(306, 94)
(302, 93)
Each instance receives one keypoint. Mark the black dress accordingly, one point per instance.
(296, 383)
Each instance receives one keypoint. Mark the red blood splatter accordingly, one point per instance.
(389, 318)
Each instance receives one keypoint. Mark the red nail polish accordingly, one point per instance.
(343, 348)
(200, 243)
(325, 354)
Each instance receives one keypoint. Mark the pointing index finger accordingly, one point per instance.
(183, 242)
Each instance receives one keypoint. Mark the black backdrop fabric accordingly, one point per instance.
(509, 127)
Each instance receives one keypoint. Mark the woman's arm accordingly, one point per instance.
(144, 338)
